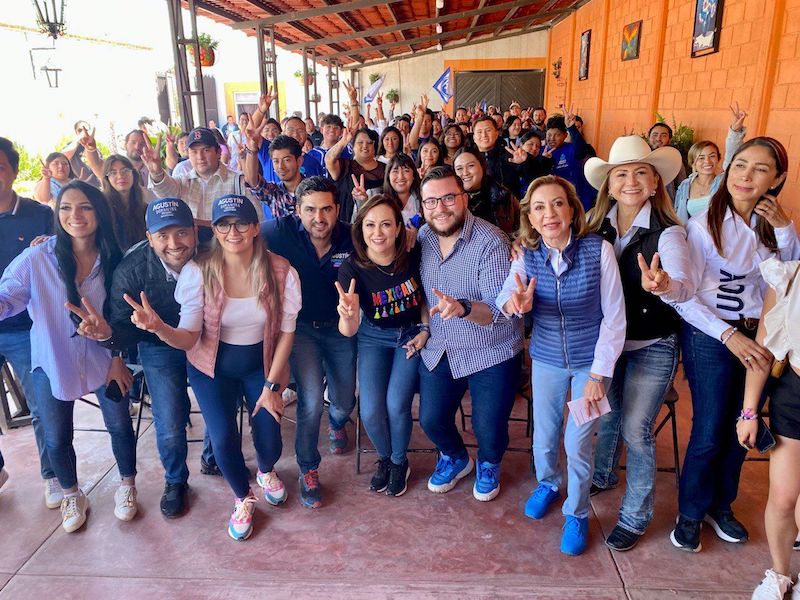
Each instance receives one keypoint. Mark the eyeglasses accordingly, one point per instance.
(446, 200)
(125, 171)
(241, 227)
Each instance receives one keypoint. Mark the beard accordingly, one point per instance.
(456, 226)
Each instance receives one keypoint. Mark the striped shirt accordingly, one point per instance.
(474, 270)
(74, 365)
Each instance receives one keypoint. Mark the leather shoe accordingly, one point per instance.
(622, 539)
(174, 499)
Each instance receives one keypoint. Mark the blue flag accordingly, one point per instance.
(372, 92)
(443, 86)
(483, 106)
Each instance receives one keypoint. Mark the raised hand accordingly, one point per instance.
(547, 151)
(348, 301)
(424, 102)
(569, 116)
(379, 99)
(448, 307)
(406, 145)
(253, 135)
(151, 156)
(654, 279)
(46, 173)
(517, 152)
(352, 92)
(266, 100)
(359, 190)
(769, 208)
(521, 300)
(93, 325)
(87, 140)
(739, 115)
(144, 317)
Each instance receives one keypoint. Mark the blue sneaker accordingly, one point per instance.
(487, 481)
(573, 539)
(540, 500)
(448, 472)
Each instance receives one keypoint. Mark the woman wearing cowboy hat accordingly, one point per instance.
(634, 213)
(743, 226)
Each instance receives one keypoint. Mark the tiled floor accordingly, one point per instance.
(359, 545)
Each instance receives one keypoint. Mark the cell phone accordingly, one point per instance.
(765, 441)
(113, 392)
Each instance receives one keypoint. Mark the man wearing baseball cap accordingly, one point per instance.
(151, 267)
(209, 178)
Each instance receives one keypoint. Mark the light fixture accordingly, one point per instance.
(438, 28)
(49, 20)
(439, 46)
(440, 4)
(52, 76)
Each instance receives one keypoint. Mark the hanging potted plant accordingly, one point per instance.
(393, 96)
(315, 98)
(309, 80)
(207, 47)
(373, 77)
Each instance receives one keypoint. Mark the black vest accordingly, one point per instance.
(648, 316)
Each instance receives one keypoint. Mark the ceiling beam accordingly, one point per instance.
(393, 12)
(513, 11)
(233, 17)
(476, 19)
(433, 38)
(301, 27)
(311, 12)
(454, 46)
(505, 6)
(351, 25)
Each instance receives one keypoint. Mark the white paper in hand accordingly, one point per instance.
(577, 409)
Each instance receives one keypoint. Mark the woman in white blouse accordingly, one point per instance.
(743, 226)
(634, 213)
(239, 303)
(778, 332)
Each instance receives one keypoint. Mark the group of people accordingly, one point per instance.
(416, 254)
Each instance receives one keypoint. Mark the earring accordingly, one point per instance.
(652, 194)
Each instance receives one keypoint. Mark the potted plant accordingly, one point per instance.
(207, 47)
(373, 77)
(315, 98)
(309, 80)
(393, 96)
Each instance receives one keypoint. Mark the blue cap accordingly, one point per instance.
(233, 205)
(167, 212)
(202, 135)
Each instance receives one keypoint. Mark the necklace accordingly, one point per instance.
(390, 265)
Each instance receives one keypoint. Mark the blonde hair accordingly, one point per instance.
(212, 265)
(661, 203)
(527, 234)
(698, 147)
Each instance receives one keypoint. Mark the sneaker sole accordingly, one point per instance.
(81, 523)
(543, 514)
(446, 487)
(487, 496)
(625, 549)
(124, 516)
(378, 491)
(238, 538)
(405, 485)
(307, 504)
(681, 547)
(275, 500)
(721, 534)
(52, 505)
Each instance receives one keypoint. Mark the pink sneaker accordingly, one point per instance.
(274, 490)
(241, 524)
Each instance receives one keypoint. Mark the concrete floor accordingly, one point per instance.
(360, 544)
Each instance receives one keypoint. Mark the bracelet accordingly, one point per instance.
(595, 379)
(425, 327)
(747, 415)
(729, 336)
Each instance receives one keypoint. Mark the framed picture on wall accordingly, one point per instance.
(583, 65)
(631, 36)
(707, 26)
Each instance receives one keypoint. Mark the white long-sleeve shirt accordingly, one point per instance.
(730, 287)
(611, 338)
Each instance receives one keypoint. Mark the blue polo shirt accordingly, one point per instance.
(26, 220)
(287, 236)
(311, 164)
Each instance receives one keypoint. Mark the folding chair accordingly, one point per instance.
(11, 390)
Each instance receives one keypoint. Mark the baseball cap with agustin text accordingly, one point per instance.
(168, 212)
(233, 205)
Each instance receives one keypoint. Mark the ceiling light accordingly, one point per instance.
(440, 4)
(439, 46)
(438, 28)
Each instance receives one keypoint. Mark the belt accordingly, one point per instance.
(322, 324)
(745, 324)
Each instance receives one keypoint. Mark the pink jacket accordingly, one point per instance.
(203, 355)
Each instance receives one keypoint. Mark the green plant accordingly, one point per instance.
(30, 169)
(393, 95)
(373, 77)
(204, 41)
(682, 135)
(299, 74)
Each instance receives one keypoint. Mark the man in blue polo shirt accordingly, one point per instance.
(22, 220)
(316, 243)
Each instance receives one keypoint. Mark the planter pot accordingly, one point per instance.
(207, 56)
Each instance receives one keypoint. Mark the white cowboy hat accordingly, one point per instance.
(628, 149)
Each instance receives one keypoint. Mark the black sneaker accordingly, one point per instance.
(727, 527)
(209, 469)
(621, 539)
(398, 479)
(686, 535)
(595, 489)
(174, 499)
(380, 480)
(310, 492)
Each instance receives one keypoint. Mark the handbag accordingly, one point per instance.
(778, 366)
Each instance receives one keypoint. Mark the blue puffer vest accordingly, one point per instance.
(566, 309)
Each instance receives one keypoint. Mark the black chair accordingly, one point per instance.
(138, 377)
(11, 389)
(670, 400)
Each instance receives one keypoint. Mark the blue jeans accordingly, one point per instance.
(388, 381)
(165, 373)
(57, 418)
(492, 391)
(550, 387)
(636, 393)
(15, 346)
(238, 370)
(319, 355)
(714, 458)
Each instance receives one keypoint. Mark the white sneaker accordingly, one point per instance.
(773, 587)
(73, 511)
(125, 502)
(53, 494)
(3, 477)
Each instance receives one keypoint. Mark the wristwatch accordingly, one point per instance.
(467, 307)
(272, 387)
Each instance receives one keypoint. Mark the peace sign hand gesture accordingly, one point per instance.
(352, 92)
(569, 116)
(348, 301)
(46, 174)
(266, 100)
(93, 325)
(448, 307)
(151, 156)
(739, 115)
(87, 140)
(517, 152)
(253, 135)
(521, 301)
(654, 279)
(144, 317)
(359, 190)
